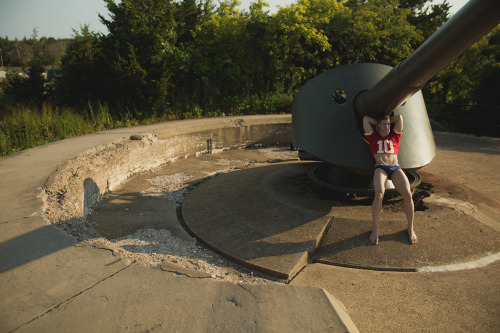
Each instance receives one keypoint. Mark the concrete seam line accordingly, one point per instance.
(70, 298)
(19, 219)
(341, 312)
(481, 262)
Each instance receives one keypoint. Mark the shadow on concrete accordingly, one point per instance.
(91, 195)
(267, 217)
(40, 240)
(32, 245)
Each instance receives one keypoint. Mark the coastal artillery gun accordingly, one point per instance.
(327, 112)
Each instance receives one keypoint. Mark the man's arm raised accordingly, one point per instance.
(398, 121)
(368, 122)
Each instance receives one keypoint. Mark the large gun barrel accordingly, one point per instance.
(465, 28)
(329, 128)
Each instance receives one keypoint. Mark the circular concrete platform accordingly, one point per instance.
(270, 218)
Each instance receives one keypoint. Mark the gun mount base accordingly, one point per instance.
(349, 185)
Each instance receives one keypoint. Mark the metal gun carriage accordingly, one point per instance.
(327, 111)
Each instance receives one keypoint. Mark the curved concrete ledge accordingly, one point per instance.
(77, 186)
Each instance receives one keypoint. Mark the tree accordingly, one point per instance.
(139, 51)
(29, 88)
(302, 46)
(217, 55)
(83, 70)
(468, 88)
(21, 54)
(186, 80)
(488, 85)
(377, 31)
(188, 14)
(426, 17)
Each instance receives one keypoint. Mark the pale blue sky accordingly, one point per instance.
(58, 18)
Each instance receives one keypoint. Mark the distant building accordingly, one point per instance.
(15, 70)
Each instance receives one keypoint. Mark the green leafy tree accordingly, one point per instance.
(21, 54)
(488, 83)
(378, 31)
(468, 88)
(83, 69)
(139, 52)
(186, 80)
(301, 44)
(29, 88)
(188, 14)
(192, 54)
(17, 53)
(425, 16)
(217, 54)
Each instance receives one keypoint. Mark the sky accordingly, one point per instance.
(58, 18)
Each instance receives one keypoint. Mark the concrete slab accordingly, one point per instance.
(26, 240)
(446, 301)
(468, 160)
(23, 174)
(381, 301)
(42, 267)
(161, 303)
(51, 282)
(246, 216)
(442, 243)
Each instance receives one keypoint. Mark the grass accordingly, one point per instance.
(24, 127)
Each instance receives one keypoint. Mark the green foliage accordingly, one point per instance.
(30, 88)
(302, 46)
(160, 53)
(18, 53)
(26, 127)
(468, 88)
(83, 69)
(378, 31)
(426, 17)
(139, 51)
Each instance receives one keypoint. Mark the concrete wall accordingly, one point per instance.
(72, 191)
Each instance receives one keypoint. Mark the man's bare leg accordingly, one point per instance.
(376, 208)
(402, 185)
(379, 179)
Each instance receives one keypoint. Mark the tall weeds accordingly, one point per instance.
(24, 127)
